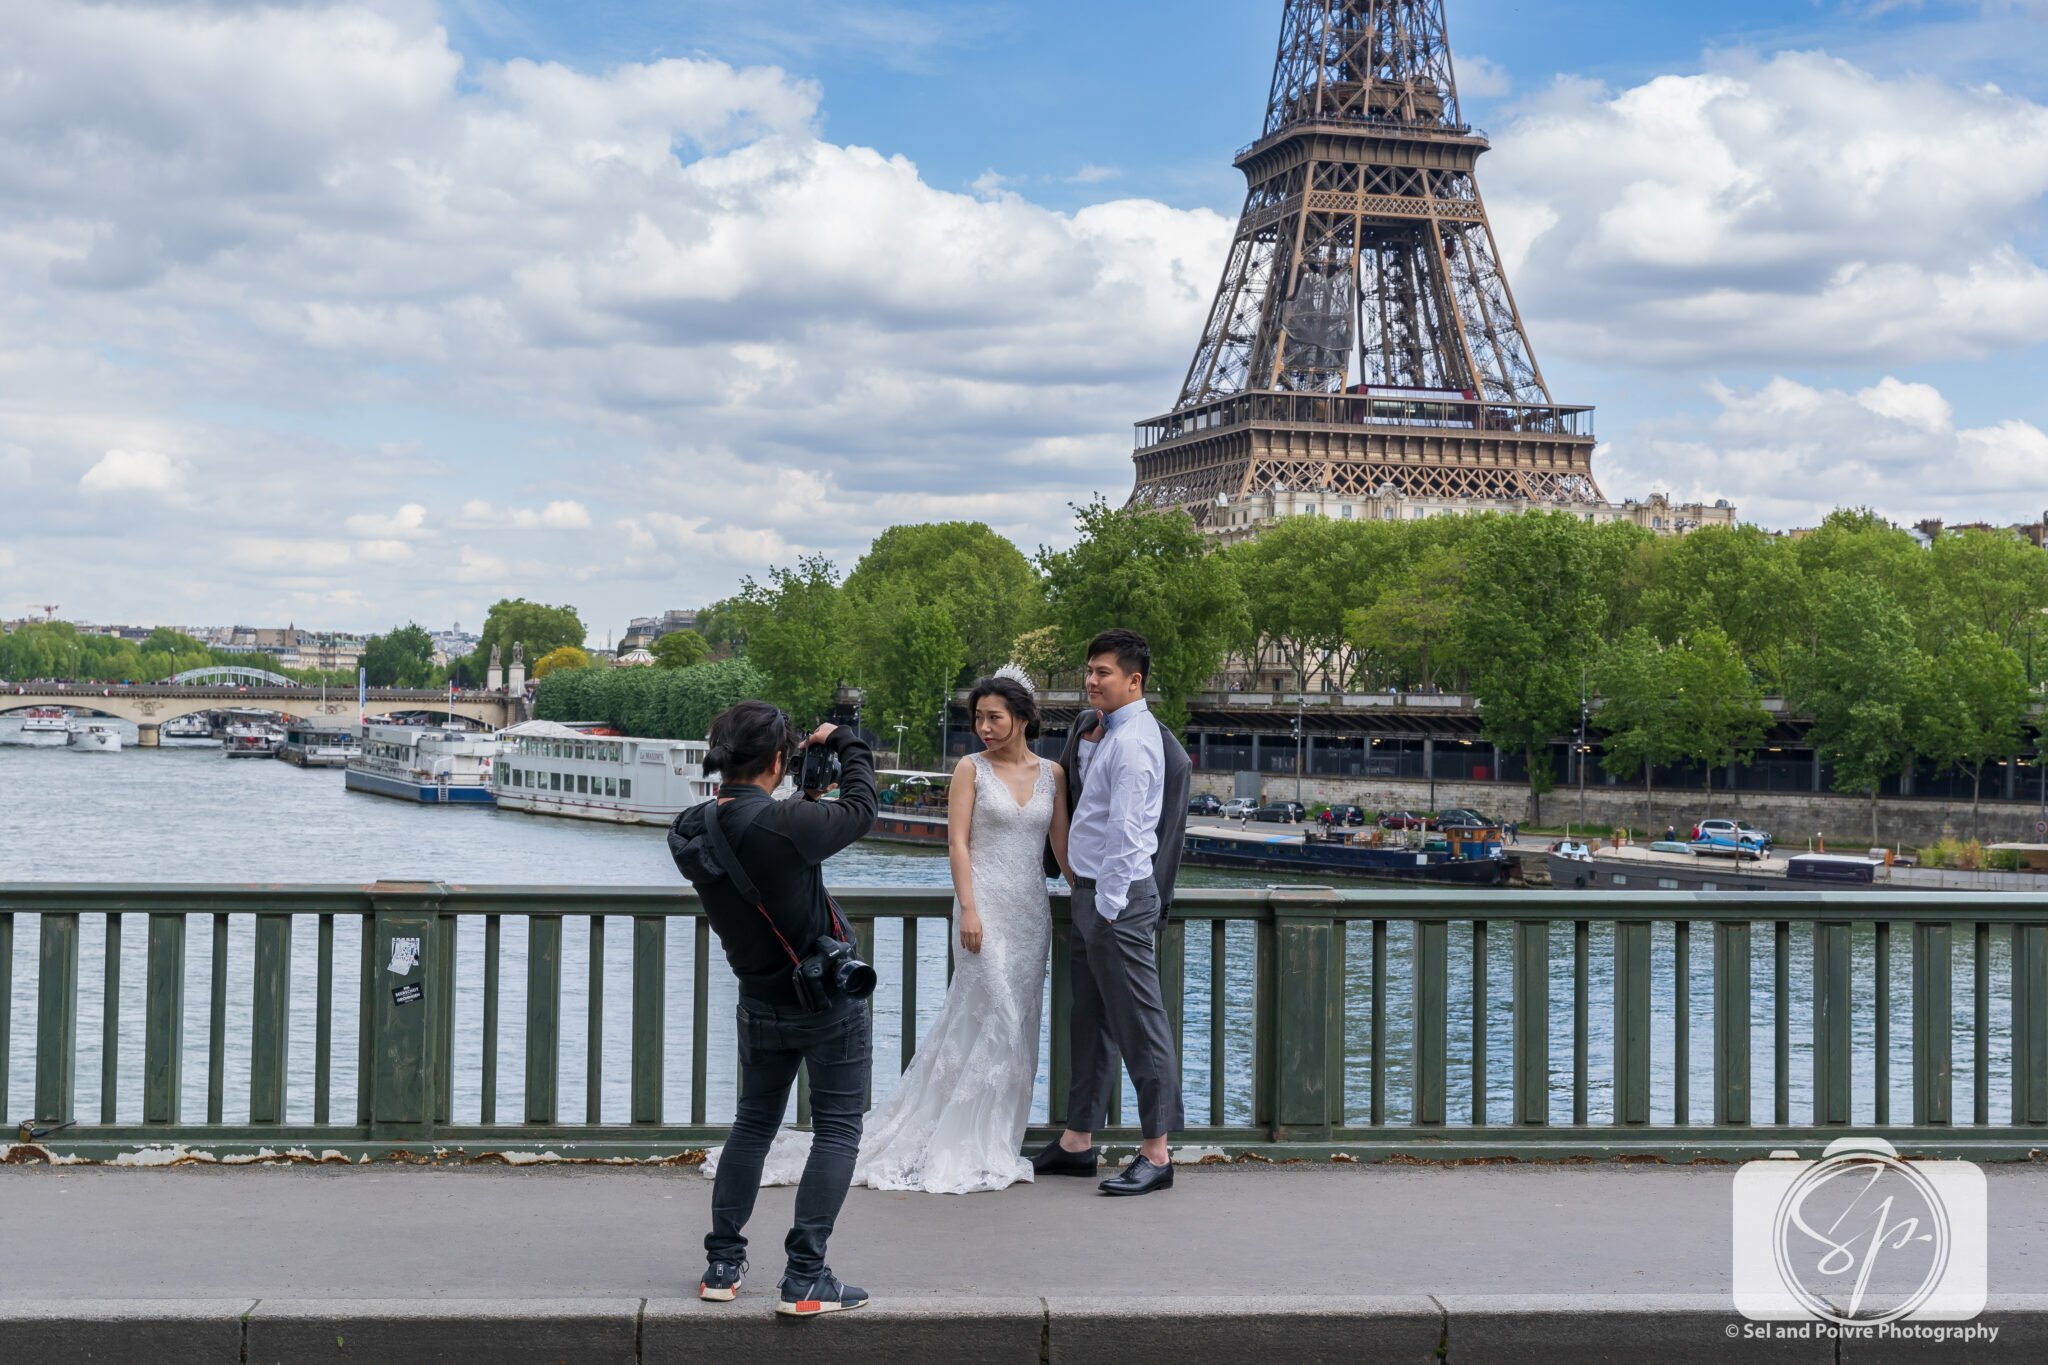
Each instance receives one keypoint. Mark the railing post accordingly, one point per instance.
(1532, 1023)
(1831, 1020)
(1632, 1022)
(1058, 1066)
(270, 1018)
(404, 1015)
(1731, 1024)
(2030, 1023)
(163, 1010)
(1933, 1024)
(650, 1005)
(1432, 990)
(1265, 1016)
(57, 1018)
(543, 1015)
(1301, 1021)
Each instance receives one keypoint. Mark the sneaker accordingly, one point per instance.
(806, 1299)
(721, 1282)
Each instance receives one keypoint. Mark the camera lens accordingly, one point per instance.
(856, 978)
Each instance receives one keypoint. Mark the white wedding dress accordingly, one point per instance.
(954, 1123)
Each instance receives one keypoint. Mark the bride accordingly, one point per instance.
(954, 1123)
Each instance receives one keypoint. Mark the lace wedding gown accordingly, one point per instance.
(954, 1123)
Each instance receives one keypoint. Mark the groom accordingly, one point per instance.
(1127, 785)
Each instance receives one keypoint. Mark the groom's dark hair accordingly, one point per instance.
(1133, 655)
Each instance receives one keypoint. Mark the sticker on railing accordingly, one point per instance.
(411, 993)
(405, 955)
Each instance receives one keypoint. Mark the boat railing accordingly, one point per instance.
(1446, 1024)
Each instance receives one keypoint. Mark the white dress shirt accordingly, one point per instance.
(1115, 826)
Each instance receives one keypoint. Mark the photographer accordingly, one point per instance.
(802, 996)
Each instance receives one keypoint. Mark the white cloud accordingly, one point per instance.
(1092, 174)
(1789, 210)
(409, 522)
(1482, 78)
(478, 567)
(565, 515)
(1787, 452)
(383, 551)
(292, 557)
(131, 471)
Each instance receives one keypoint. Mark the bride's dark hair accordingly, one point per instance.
(1014, 695)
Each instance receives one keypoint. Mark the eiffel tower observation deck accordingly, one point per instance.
(1363, 340)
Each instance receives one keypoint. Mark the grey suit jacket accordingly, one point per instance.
(1173, 802)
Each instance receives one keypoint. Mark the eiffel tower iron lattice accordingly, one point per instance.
(1364, 339)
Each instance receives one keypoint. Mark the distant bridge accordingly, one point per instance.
(233, 673)
(149, 707)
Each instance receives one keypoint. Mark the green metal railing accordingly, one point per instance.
(1300, 1031)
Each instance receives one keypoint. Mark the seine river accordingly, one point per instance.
(186, 814)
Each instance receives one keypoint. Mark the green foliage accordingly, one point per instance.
(795, 627)
(56, 650)
(402, 657)
(1974, 706)
(1149, 572)
(2002, 860)
(540, 629)
(650, 703)
(1860, 684)
(680, 649)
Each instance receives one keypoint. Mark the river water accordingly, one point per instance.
(186, 814)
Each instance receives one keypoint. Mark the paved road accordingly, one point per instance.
(565, 1232)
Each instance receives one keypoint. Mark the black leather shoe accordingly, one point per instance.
(1053, 1159)
(1140, 1177)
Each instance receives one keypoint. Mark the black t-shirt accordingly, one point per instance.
(783, 850)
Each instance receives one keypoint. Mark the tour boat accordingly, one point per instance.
(1631, 870)
(46, 725)
(308, 746)
(252, 741)
(94, 737)
(552, 769)
(428, 764)
(198, 725)
(1464, 856)
(913, 809)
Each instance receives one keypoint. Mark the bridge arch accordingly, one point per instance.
(233, 673)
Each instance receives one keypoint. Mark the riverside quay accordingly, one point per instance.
(1425, 1126)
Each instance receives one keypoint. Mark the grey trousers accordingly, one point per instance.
(1118, 1008)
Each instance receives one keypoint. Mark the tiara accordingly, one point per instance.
(1019, 677)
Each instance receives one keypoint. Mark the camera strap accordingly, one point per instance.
(740, 880)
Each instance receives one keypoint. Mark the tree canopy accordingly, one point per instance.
(539, 629)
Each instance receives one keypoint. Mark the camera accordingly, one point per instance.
(831, 969)
(818, 770)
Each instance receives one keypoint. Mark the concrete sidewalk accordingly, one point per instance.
(1510, 1263)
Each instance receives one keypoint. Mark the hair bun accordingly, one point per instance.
(716, 757)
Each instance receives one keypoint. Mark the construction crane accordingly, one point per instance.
(49, 610)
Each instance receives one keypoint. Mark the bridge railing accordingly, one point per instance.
(1309, 1022)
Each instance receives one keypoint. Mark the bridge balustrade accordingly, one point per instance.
(1309, 1022)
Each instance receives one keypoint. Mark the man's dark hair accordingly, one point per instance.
(1014, 695)
(1133, 655)
(745, 739)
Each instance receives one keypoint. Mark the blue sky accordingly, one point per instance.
(352, 311)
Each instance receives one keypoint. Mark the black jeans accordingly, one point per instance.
(774, 1039)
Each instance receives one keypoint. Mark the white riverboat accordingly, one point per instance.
(423, 763)
(553, 769)
(46, 725)
(197, 726)
(252, 741)
(311, 746)
(94, 737)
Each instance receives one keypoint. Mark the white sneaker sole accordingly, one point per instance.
(811, 1308)
(718, 1295)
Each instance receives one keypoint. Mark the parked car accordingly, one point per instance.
(1341, 815)
(1205, 804)
(1238, 808)
(1281, 812)
(1458, 816)
(1405, 819)
(1726, 836)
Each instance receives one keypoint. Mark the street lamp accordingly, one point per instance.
(899, 744)
(1585, 709)
(1300, 713)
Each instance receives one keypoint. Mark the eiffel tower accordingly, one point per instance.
(1363, 339)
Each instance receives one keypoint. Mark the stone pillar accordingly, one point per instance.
(495, 681)
(1816, 770)
(1906, 779)
(1202, 751)
(2012, 780)
(147, 736)
(1255, 753)
(517, 682)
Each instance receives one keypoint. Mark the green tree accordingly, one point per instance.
(564, 656)
(539, 629)
(1720, 709)
(402, 657)
(1975, 708)
(925, 653)
(1742, 580)
(1532, 618)
(1149, 572)
(651, 703)
(680, 649)
(1636, 680)
(1297, 578)
(1860, 683)
(1039, 653)
(795, 630)
(982, 583)
(1413, 627)
(1991, 581)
